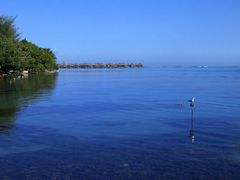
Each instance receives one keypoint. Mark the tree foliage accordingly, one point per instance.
(18, 55)
(8, 29)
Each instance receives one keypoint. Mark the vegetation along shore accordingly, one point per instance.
(19, 56)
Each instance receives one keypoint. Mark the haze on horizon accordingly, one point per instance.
(173, 32)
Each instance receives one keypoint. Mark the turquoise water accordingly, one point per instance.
(121, 124)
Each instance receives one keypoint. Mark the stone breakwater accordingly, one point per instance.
(101, 65)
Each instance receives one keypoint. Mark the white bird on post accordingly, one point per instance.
(192, 102)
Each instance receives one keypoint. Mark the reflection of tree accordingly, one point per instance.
(16, 93)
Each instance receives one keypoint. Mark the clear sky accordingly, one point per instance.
(164, 32)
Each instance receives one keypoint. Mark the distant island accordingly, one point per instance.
(101, 65)
(19, 56)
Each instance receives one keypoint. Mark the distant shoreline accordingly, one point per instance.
(100, 65)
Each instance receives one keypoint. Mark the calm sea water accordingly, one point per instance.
(121, 124)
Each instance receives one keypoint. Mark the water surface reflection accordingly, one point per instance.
(17, 94)
(121, 124)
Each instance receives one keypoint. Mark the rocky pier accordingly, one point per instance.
(101, 65)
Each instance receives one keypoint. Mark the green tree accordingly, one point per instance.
(19, 55)
(8, 29)
(10, 56)
(37, 59)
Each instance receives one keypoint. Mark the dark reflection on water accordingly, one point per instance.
(17, 94)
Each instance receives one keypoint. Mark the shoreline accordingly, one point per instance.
(25, 74)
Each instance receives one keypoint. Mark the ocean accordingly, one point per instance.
(121, 124)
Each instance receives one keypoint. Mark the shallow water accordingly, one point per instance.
(121, 124)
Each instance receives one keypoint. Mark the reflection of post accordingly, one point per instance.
(191, 132)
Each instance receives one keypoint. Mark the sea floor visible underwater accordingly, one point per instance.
(121, 124)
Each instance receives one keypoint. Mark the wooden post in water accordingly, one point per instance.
(191, 132)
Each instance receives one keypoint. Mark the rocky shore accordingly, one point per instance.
(101, 65)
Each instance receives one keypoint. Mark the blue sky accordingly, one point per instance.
(164, 32)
